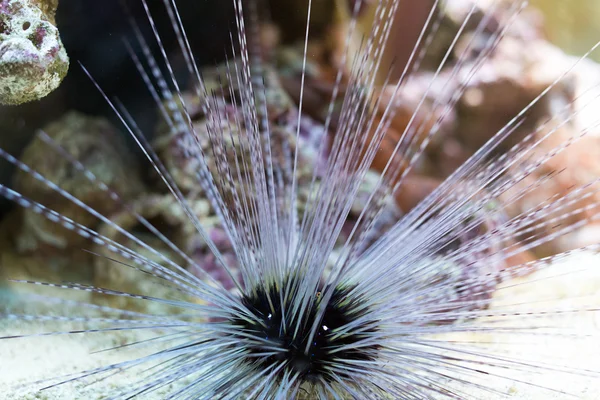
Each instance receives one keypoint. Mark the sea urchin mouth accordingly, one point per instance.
(282, 339)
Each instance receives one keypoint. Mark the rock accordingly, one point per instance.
(164, 213)
(18, 126)
(574, 113)
(518, 69)
(33, 60)
(73, 266)
(98, 146)
(180, 153)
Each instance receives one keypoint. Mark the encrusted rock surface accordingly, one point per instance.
(95, 144)
(164, 214)
(33, 60)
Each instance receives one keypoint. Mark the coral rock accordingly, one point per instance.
(95, 144)
(167, 216)
(33, 60)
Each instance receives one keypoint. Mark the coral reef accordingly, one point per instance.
(33, 60)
